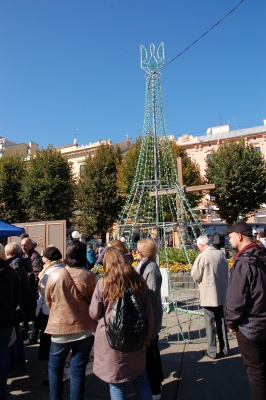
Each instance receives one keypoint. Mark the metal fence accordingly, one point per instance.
(183, 318)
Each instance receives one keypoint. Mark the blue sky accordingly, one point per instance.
(75, 64)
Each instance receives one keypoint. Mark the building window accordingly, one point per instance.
(81, 170)
(257, 149)
(209, 156)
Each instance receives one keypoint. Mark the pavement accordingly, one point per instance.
(188, 374)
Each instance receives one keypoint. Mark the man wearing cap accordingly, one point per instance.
(33, 263)
(210, 270)
(246, 305)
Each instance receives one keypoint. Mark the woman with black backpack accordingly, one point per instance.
(113, 366)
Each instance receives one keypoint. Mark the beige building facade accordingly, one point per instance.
(77, 154)
(200, 147)
(8, 147)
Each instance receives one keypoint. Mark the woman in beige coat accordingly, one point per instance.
(110, 365)
(68, 294)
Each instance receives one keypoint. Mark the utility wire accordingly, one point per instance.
(204, 34)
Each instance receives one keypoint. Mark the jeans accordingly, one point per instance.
(4, 358)
(17, 351)
(118, 390)
(79, 359)
(253, 353)
(211, 315)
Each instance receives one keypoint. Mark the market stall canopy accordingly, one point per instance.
(10, 230)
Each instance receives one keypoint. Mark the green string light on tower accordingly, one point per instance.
(157, 203)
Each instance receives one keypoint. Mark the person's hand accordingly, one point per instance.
(233, 331)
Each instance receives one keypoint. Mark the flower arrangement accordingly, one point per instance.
(230, 262)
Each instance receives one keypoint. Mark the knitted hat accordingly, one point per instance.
(52, 253)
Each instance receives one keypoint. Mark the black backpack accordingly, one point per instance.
(128, 324)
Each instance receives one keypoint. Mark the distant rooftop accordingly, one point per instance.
(215, 135)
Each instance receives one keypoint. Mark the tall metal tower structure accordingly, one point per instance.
(157, 204)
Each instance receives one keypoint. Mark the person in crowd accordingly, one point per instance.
(112, 366)
(101, 253)
(170, 239)
(148, 268)
(26, 235)
(91, 256)
(262, 238)
(68, 295)
(34, 264)
(245, 305)
(210, 271)
(26, 307)
(9, 290)
(216, 241)
(52, 259)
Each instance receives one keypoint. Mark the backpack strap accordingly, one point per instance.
(77, 289)
(143, 267)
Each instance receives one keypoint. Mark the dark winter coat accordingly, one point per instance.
(34, 265)
(9, 288)
(245, 303)
(26, 299)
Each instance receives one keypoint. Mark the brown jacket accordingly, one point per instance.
(110, 365)
(68, 312)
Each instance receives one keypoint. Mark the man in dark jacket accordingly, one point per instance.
(26, 306)
(246, 305)
(33, 262)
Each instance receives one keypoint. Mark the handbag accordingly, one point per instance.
(77, 289)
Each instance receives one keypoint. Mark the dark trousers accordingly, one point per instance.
(45, 338)
(215, 316)
(17, 351)
(253, 353)
(154, 366)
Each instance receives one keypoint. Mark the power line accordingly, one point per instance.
(204, 34)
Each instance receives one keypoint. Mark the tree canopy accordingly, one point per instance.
(48, 187)
(239, 174)
(98, 201)
(191, 170)
(12, 173)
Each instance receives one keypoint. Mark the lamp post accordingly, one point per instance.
(75, 235)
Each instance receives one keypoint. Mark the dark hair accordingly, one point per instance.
(119, 245)
(24, 235)
(76, 254)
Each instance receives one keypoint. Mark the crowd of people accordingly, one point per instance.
(68, 306)
(67, 309)
(237, 305)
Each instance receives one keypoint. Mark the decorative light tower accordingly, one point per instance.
(157, 204)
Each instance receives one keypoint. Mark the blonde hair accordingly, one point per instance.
(13, 249)
(2, 252)
(147, 247)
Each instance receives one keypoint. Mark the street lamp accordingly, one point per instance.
(75, 234)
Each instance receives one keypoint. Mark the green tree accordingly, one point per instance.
(98, 201)
(12, 172)
(48, 187)
(191, 173)
(239, 174)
